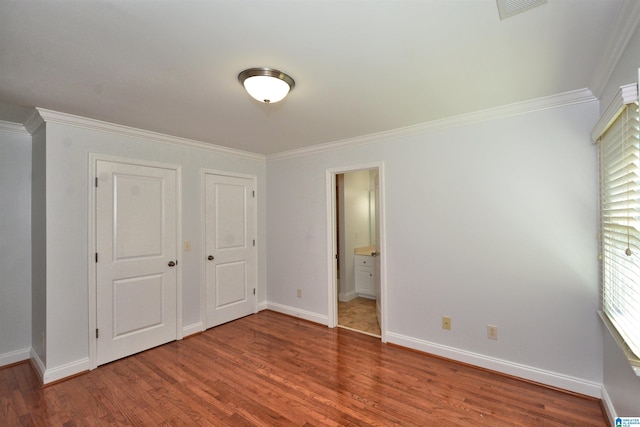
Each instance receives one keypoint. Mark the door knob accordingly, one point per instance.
(210, 257)
(172, 264)
(375, 253)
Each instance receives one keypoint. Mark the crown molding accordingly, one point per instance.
(33, 122)
(56, 117)
(624, 27)
(627, 94)
(13, 127)
(559, 100)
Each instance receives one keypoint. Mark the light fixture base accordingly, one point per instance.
(266, 85)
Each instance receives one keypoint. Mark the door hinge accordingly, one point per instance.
(97, 333)
(254, 291)
(96, 256)
(254, 193)
(96, 181)
(254, 242)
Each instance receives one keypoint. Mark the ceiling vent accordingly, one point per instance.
(508, 8)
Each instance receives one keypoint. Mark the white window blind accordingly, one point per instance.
(619, 151)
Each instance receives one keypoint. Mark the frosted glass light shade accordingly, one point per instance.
(265, 84)
(266, 89)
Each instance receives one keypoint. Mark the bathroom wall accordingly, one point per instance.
(356, 227)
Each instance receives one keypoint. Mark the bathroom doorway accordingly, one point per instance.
(356, 292)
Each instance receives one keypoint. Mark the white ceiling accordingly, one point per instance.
(360, 67)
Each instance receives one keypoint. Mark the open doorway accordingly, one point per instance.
(356, 292)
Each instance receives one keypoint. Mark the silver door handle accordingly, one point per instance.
(171, 264)
(210, 257)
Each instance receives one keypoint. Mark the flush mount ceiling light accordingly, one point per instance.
(266, 84)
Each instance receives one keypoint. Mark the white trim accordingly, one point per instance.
(607, 403)
(192, 329)
(203, 263)
(262, 305)
(92, 243)
(15, 356)
(92, 282)
(624, 27)
(332, 248)
(560, 100)
(296, 312)
(13, 127)
(33, 122)
(554, 379)
(82, 122)
(627, 94)
(37, 364)
(58, 373)
(64, 371)
(179, 253)
(41, 115)
(332, 244)
(347, 297)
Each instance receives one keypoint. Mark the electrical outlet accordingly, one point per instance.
(492, 332)
(299, 293)
(446, 323)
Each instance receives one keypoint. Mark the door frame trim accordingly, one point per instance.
(203, 243)
(332, 248)
(92, 273)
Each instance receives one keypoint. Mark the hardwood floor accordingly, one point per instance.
(273, 370)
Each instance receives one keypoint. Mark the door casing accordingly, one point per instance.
(332, 244)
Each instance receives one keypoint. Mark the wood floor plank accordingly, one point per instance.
(273, 370)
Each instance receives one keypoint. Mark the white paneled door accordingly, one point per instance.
(230, 229)
(136, 241)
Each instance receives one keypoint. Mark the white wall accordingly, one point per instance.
(492, 222)
(67, 227)
(621, 386)
(356, 221)
(15, 243)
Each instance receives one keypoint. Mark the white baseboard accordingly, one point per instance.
(262, 305)
(15, 356)
(37, 363)
(296, 312)
(194, 328)
(347, 296)
(554, 379)
(63, 371)
(609, 409)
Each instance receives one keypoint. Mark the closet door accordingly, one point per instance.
(230, 229)
(136, 224)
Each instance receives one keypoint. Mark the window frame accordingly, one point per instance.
(627, 95)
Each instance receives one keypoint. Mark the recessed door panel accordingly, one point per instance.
(232, 283)
(230, 216)
(137, 216)
(137, 304)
